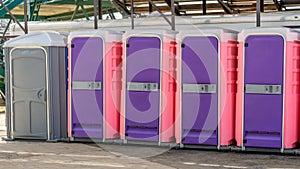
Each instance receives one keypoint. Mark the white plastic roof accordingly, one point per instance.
(224, 35)
(166, 35)
(107, 35)
(288, 34)
(43, 38)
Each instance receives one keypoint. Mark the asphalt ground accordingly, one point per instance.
(33, 154)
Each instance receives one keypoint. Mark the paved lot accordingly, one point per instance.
(61, 155)
(22, 154)
(211, 159)
(19, 154)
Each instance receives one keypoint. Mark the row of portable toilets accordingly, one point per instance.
(206, 87)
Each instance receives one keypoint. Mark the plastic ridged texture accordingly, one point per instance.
(228, 92)
(292, 94)
(123, 91)
(178, 122)
(239, 96)
(168, 91)
(113, 77)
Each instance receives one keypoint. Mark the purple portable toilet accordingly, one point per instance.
(205, 99)
(148, 105)
(93, 112)
(267, 110)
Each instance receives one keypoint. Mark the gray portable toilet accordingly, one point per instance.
(36, 87)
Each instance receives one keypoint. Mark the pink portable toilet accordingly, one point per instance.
(149, 86)
(94, 84)
(267, 112)
(206, 91)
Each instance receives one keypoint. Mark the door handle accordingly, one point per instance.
(262, 89)
(143, 87)
(91, 85)
(200, 88)
(42, 95)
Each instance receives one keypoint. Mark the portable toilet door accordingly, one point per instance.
(36, 98)
(148, 113)
(206, 95)
(268, 87)
(94, 61)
